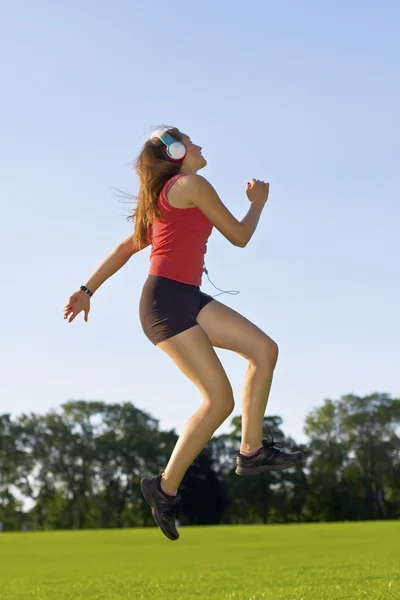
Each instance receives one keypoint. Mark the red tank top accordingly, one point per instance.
(179, 240)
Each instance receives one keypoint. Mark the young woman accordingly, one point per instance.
(176, 212)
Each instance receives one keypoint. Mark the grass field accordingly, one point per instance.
(282, 562)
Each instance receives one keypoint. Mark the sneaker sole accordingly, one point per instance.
(148, 496)
(265, 468)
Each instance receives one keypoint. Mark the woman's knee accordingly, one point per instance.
(223, 408)
(265, 352)
(227, 406)
(220, 399)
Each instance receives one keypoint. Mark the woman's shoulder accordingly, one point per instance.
(191, 183)
(180, 189)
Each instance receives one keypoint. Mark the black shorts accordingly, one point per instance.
(168, 307)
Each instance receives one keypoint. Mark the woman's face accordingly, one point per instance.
(194, 158)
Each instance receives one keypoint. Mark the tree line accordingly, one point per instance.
(80, 466)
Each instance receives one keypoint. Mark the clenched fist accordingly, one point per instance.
(257, 191)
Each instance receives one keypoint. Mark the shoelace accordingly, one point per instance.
(171, 510)
(272, 445)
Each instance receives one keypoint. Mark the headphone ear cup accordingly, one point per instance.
(176, 151)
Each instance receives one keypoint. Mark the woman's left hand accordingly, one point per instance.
(78, 302)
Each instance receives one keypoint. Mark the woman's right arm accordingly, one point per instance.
(199, 192)
(117, 258)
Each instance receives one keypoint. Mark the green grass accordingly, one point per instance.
(283, 562)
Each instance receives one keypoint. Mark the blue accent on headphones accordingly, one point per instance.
(175, 149)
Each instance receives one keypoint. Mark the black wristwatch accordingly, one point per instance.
(86, 290)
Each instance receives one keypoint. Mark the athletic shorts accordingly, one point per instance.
(168, 307)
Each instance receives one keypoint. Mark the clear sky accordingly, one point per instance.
(303, 94)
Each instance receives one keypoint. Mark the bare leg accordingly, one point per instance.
(195, 356)
(229, 330)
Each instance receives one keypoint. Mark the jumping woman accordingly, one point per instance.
(175, 214)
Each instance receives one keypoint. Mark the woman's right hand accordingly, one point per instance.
(257, 191)
(78, 302)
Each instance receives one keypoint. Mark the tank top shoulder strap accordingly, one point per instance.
(168, 185)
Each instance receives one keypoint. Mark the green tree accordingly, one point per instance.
(15, 466)
(355, 458)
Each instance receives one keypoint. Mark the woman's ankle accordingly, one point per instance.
(167, 487)
(249, 449)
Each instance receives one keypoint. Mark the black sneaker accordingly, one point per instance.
(268, 458)
(164, 508)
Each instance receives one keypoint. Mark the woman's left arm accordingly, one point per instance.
(117, 258)
(80, 301)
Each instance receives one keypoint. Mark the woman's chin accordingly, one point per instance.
(203, 163)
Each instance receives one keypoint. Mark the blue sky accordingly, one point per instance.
(302, 94)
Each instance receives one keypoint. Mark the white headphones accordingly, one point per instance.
(176, 151)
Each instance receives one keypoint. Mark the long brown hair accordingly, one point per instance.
(153, 168)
